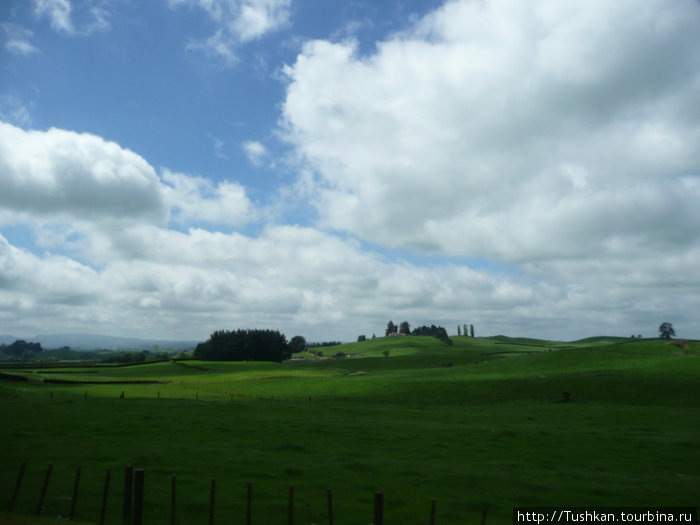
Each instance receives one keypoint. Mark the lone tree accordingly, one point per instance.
(666, 331)
(297, 344)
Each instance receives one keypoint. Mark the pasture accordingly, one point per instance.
(494, 422)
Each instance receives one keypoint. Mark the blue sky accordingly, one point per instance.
(172, 167)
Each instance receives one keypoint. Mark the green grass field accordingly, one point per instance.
(484, 422)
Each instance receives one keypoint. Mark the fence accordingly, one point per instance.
(133, 499)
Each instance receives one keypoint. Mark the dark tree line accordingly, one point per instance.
(138, 356)
(244, 345)
(323, 344)
(22, 350)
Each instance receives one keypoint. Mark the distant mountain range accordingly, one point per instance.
(103, 342)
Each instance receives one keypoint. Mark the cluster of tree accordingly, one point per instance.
(21, 350)
(362, 338)
(244, 345)
(405, 329)
(467, 332)
(127, 357)
(435, 331)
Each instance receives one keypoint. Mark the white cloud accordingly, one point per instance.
(237, 22)
(255, 152)
(258, 17)
(13, 110)
(62, 173)
(100, 21)
(58, 12)
(188, 284)
(558, 138)
(507, 129)
(197, 199)
(18, 39)
(555, 136)
(59, 177)
(61, 14)
(102, 217)
(219, 148)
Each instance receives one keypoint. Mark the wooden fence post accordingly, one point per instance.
(128, 484)
(291, 505)
(330, 507)
(483, 515)
(378, 508)
(75, 494)
(432, 513)
(104, 498)
(43, 490)
(249, 504)
(19, 481)
(212, 498)
(138, 496)
(172, 501)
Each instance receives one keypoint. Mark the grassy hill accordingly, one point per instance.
(495, 421)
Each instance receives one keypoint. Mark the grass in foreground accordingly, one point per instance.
(492, 429)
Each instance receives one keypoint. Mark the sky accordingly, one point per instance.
(173, 167)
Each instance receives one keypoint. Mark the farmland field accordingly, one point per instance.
(494, 422)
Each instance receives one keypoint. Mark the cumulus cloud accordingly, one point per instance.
(79, 180)
(192, 198)
(55, 172)
(512, 130)
(237, 22)
(189, 283)
(121, 251)
(556, 138)
(152, 279)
